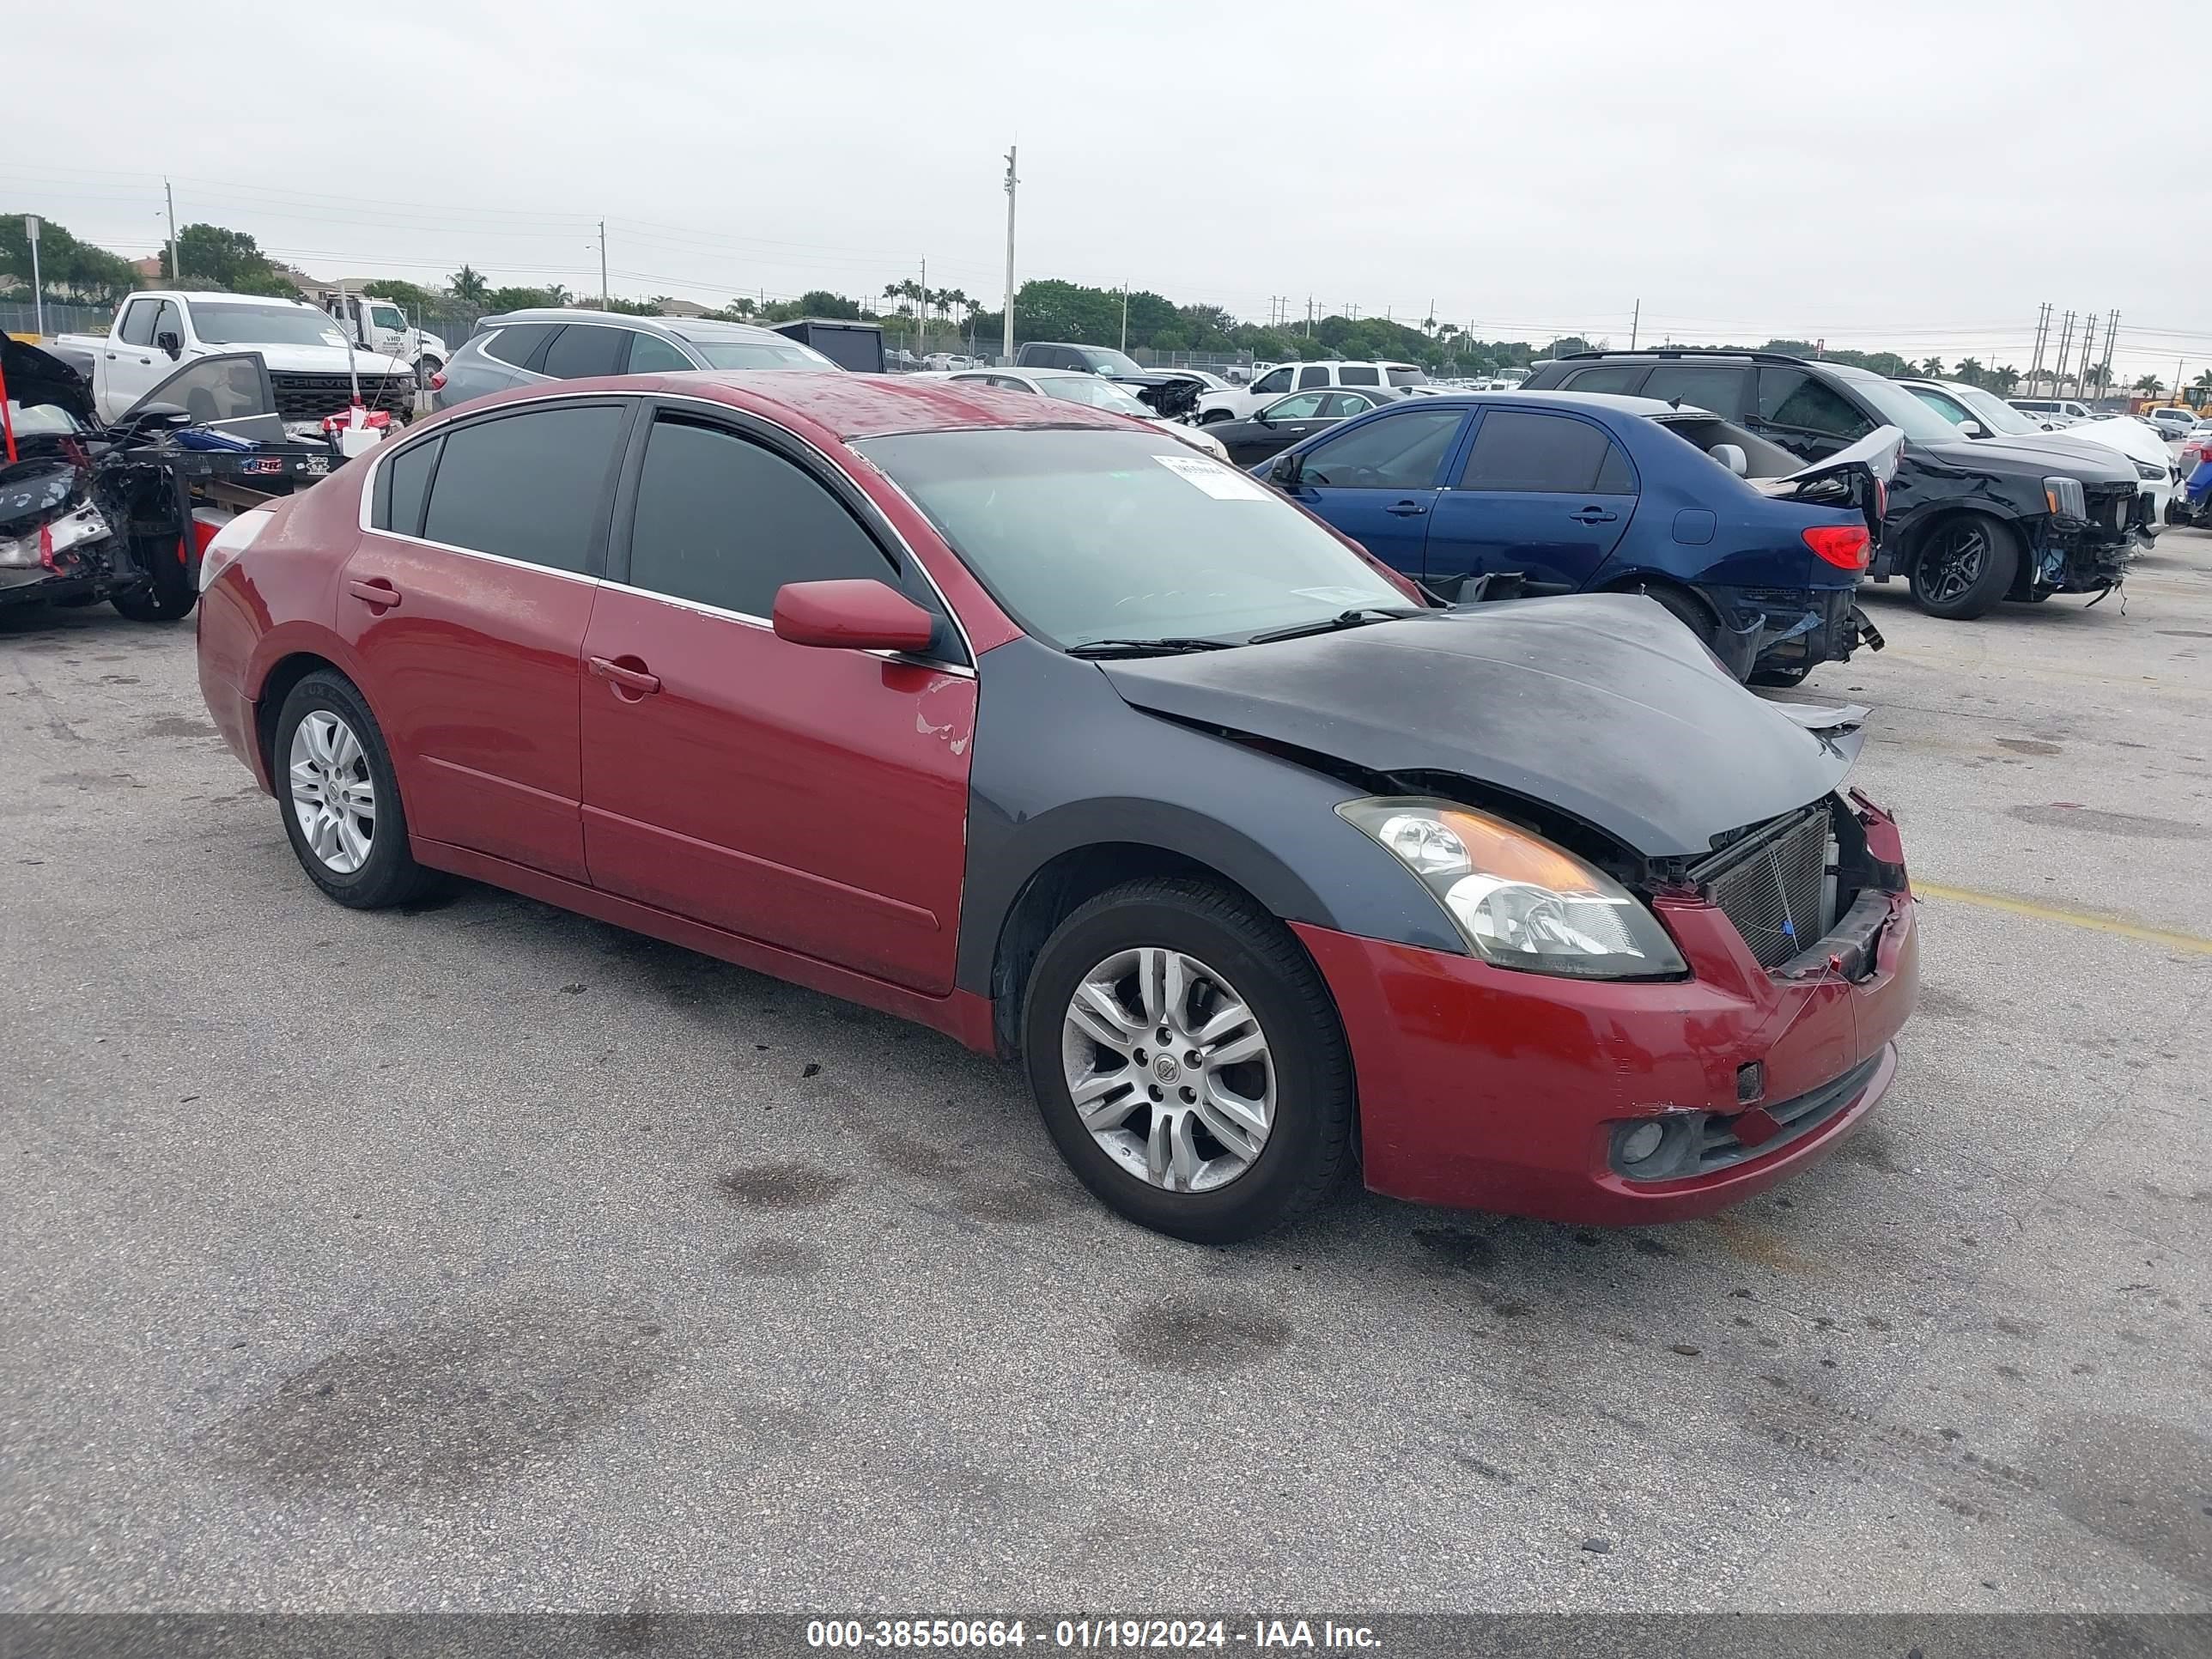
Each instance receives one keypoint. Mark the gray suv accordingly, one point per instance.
(521, 348)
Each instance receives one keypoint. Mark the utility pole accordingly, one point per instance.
(1008, 344)
(2042, 339)
(921, 311)
(1635, 320)
(37, 287)
(606, 293)
(2105, 368)
(176, 270)
(1125, 316)
(1310, 316)
(2058, 368)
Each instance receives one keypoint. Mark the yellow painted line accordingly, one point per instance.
(2071, 918)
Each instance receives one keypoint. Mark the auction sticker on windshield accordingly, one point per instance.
(1217, 481)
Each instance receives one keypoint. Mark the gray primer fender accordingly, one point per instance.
(1062, 762)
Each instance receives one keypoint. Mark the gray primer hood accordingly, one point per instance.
(1601, 705)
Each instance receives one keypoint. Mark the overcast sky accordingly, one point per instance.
(1914, 176)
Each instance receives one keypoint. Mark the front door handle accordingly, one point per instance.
(1405, 509)
(624, 678)
(1593, 515)
(375, 592)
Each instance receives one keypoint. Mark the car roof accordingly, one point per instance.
(1590, 403)
(683, 328)
(848, 406)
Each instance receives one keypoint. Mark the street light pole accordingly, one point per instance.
(1006, 347)
(606, 293)
(1125, 316)
(176, 270)
(37, 289)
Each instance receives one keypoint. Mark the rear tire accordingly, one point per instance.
(1965, 566)
(1215, 417)
(1277, 1082)
(151, 602)
(1782, 677)
(339, 773)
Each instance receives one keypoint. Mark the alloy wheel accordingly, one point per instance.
(1169, 1069)
(1954, 564)
(333, 795)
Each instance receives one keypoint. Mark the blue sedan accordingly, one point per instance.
(1556, 493)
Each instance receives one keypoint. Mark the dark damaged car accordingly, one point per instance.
(121, 511)
(1971, 523)
(1021, 720)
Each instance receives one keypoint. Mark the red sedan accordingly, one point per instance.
(1024, 721)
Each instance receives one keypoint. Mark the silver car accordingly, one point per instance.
(521, 348)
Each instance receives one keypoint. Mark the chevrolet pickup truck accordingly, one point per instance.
(307, 354)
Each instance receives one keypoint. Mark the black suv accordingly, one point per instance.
(1970, 522)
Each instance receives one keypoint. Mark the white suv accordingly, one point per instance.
(1240, 402)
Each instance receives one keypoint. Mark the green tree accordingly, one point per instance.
(1932, 367)
(821, 302)
(524, 298)
(2150, 386)
(229, 260)
(2003, 379)
(1969, 370)
(67, 267)
(468, 286)
(417, 300)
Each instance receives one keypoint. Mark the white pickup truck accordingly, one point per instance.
(308, 356)
(383, 325)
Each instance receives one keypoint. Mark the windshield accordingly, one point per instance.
(1899, 408)
(1993, 411)
(387, 317)
(226, 322)
(758, 353)
(42, 421)
(1094, 535)
(1090, 392)
(1104, 359)
(1405, 377)
(1764, 459)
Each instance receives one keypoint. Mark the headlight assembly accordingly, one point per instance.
(1518, 900)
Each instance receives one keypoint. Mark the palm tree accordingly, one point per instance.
(2201, 386)
(557, 294)
(2150, 386)
(2003, 379)
(468, 286)
(1932, 367)
(1969, 370)
(743, 306)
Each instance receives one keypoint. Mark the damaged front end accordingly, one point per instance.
(55, 540)
(1171, 397)
(2091, 535)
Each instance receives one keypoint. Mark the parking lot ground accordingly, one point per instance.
(484, 1256)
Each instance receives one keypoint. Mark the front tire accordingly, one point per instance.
(152, 602)
(1189, 1061)
(1966, 565)
(340, 797)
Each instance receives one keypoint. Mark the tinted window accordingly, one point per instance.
(580, 350)
(1275, 381)
(1312, 377)
(402, 484)
(1345, 403)
(1517, 451)
(651, 355)
(1950, 410)
(1790, 397)
(1408, 377)
(1359, 377)
(1614, 475)
(1298, 406)
(1720, 390)
(514, 345)
(726, 522)
(1397, 451)
(170, 320)
(526, 486)
(1614, 377)
(138, 322)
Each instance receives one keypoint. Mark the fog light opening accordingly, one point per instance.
(1640, 1142)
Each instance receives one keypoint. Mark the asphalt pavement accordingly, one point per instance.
(485, 1256)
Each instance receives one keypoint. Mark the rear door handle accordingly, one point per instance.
(1593, 515)
(374, 591)
(1405, 509)
(635, 681)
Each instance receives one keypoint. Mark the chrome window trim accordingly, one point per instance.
(390, 447)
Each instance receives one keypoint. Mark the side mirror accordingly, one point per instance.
(852, 615)
(1285, 472)
(1974, 428)
(1260, 418)
(1732, 457)
(172, 342)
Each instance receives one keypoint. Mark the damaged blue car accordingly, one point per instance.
(1504, 494)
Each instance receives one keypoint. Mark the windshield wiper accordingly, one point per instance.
(1165, 648)
(1358, 616)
